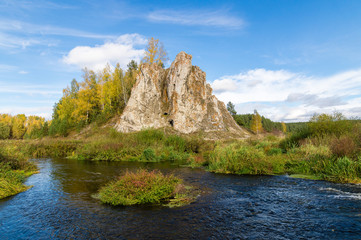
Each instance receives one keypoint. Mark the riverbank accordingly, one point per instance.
(14, 170)
(255, 156)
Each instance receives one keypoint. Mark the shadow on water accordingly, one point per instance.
(60, 206)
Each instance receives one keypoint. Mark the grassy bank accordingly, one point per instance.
(265, 157)
(146, 146)
(332, 156)
(13, 173)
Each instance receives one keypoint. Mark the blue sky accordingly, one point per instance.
(287, 59)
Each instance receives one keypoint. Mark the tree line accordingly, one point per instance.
(97, 98)
(21, 126)
(255, 122)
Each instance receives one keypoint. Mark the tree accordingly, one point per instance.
(155, 52)
(6, 125)
(18, 128)
(284, 127)
(230, 108)
(34, 125)
(4, 131)
(256, 123)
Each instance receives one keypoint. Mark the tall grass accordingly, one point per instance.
(140, 187)
(149, 145)
(240, 158)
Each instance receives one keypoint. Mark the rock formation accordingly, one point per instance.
(177, 97)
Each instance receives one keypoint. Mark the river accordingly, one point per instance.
(60, 206)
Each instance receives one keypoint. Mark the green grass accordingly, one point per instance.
(304, 176)
(144, 187)
(12, 175)
(242, 158)
(149, 145)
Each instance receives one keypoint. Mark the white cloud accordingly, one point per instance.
(217, 18)
(37, 111)
(121, 51)
(224, 85)
(283, 95)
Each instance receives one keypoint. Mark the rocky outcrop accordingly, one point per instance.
(177, 97)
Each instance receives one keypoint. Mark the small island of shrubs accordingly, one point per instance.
(145, 187)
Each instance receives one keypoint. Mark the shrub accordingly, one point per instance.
(149, 155)
(139, 188)
(343, 146)
(327, 124)
(294, 139)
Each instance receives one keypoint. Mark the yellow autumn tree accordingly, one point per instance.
(98, 97)
(34, 125)
(5, 126)
(284, 127)
(18, 126)
(256, 123)
(88, 98)
(155, 52)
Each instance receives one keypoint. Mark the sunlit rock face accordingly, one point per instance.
(177, 97)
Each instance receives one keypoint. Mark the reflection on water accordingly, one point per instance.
(60, 206)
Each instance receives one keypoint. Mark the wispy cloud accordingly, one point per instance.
(121, 51)
(28, 5)
(23, 27)
(20, 35)
(218, 18)
(283, 95)
(29, 89)
(7, 68)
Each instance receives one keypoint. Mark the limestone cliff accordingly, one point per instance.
(177, 97)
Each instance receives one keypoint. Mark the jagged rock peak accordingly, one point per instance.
(177, 97)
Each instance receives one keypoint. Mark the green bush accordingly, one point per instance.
(327, 124)
(140, 187)
(149, 155)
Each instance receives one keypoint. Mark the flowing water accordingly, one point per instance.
(60, 206)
